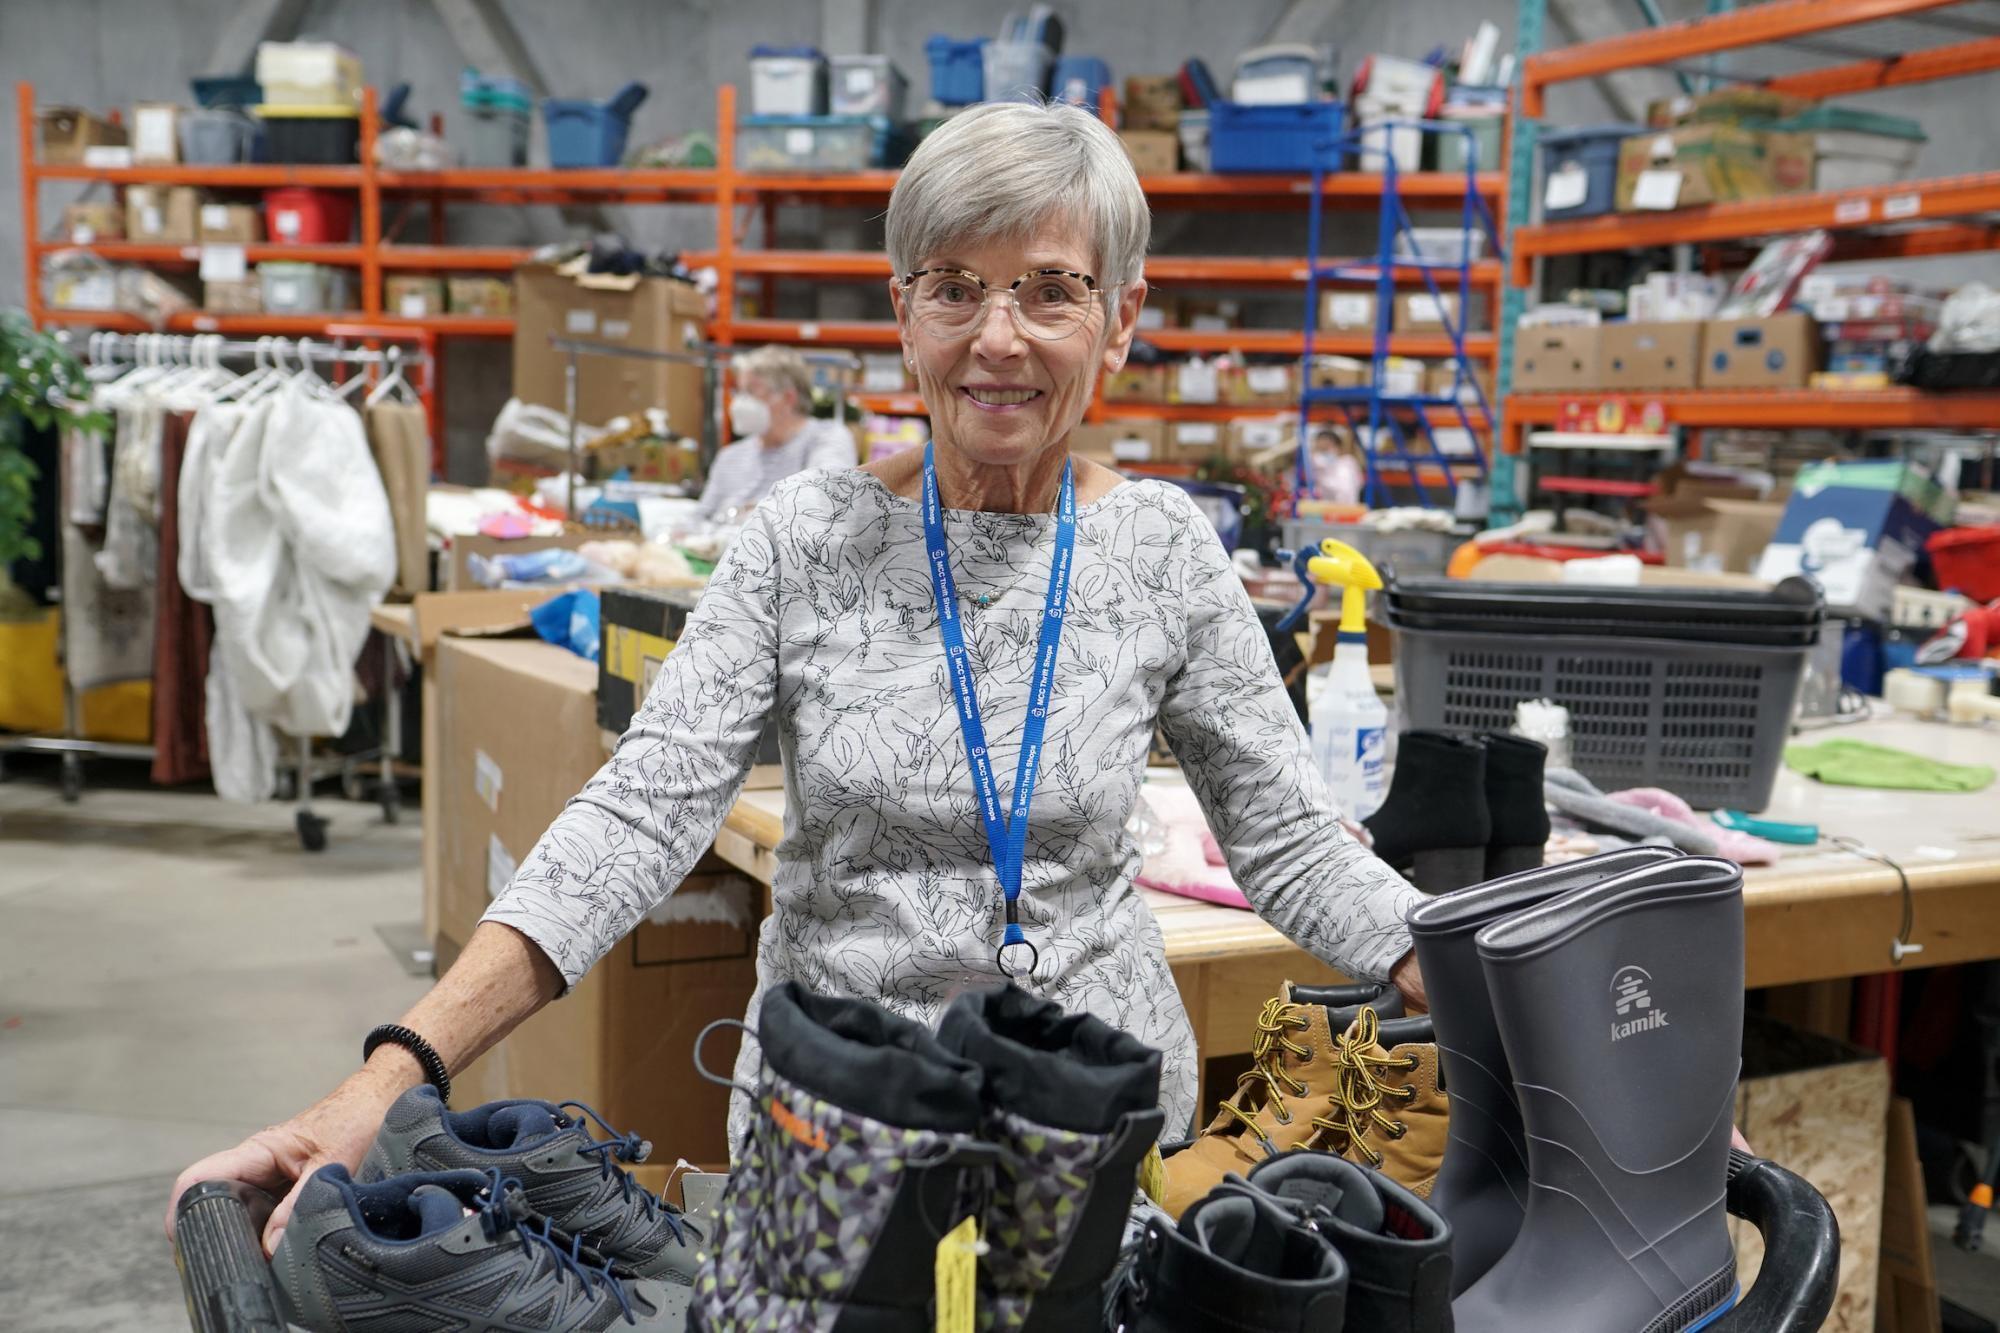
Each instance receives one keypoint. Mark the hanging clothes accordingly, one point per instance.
(107, 629)
(399, 437)
(131, 555)
(182, 634)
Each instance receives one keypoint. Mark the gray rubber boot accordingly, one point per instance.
(1482, 1184)
(1621, 1009)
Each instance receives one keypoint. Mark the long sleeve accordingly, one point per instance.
(1239, 740)
(631, 835)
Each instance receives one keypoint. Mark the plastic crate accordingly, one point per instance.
(1967, 560)
(787, 81)
(495, 136)
(867, 86)
(217, 91)
(590, 134)
(819, 143)
(309, 73)
(1580, 170)
(1080, 79)
(958, 69)
(301, 289)
(217, 137)
(1274, 138)
(299, 216)
(328, 136)
(1704, 717)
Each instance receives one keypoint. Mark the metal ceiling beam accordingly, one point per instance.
(1304, 21)
(253, 22)
(1578, 23)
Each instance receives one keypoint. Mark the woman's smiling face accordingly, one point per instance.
(996, 395)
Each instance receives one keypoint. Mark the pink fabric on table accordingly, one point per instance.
(1211, 850)
(1742, 848)
(1184, 867)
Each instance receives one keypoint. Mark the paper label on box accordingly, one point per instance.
(107, 155)
(285, 292)
(1566, 188)
(1659, 190)
(808, 333)
(1152, 317)
(1195, 434)
(412, 305)
(81, 235)
(617, 330)
(1902, 206)
(1196, 381)
(1209, 324)
(1351, 311)
(860, 81)
(1132, 451)
(798, 143)
(153, 134)
(1267, 379)
(500, 866)
(214, 217)
(287, 224)
(1850, 211)
(223, 263)
(1424, 308)
(487, 779)
(580, 321)
(150, 221)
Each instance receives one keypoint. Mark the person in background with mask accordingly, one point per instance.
(777, 436)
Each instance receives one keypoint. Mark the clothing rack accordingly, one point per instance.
(710, 357)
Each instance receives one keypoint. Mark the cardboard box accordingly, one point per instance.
(1709, 534)
(1819, 1108)
(1153, 152)
(1339, 372)
(1727, 106)
(1346, 311)
(1650, 356)
(408, 296)
(1556, 359)
(520, 739)
(93, 220)
(1421, 312)
(1152, 102)
(228, 224)
(240, 296)
(1113, 443)
(162, 214)
(1855, 529)
(1250, 436)
(1260, 385)
(156, 139)
(1776, 352)
(637, 312)
(1135, 384)
(1196, 380)
(457, 567)
(1193, 440)
(1710, 164)
(491, 298)
(1907, 1293)
(67, 131)
(1209, 315)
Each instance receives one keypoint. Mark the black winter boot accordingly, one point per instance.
(1397, 1248)
(1073, 1104)
(1241, 1261)
(1435, 823)
(1514, 803)
(864, 1152)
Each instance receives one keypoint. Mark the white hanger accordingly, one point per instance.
(393, 382)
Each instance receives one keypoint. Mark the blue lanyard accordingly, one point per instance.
(1008, 839)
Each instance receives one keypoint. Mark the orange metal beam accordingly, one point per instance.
(1782, 409)
(1216, 270)
(181, 256)
(693, 183)
(220, 178)
(1943, 62)
(371, 210)
(1777, 21)
(283, 326)
(31, 226)
(473, 258)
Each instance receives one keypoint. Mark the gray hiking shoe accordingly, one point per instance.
(569, 1177)
(451, 1249)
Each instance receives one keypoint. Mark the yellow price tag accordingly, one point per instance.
(958, 1277)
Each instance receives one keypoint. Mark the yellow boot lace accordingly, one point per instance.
(1268, 1051)
(1360, 1092)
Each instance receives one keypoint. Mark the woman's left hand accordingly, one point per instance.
(1408, 978)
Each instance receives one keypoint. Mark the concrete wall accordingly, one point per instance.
(115, 52)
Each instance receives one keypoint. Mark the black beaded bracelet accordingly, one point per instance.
(395, 1034)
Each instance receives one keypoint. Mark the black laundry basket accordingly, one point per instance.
(1801, 1273)
(1687, 689)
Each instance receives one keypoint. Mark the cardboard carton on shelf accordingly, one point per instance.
(1152, 102)
(1161, 311)
(1260, 385)
(1776, 352)
(1710, 164)
(1205, 315)
(229, 224)
(1117, 442)
(1153, 152)
(644, 313)
(162, 214)
(1135, 384)
(68, 132)
(1709, 521)
(1346, 311)
(1742, 105)
(1338, 372)
(1421, 312)
(233, 296)
(519, 738)
(1192, 441)
(486, 297)
(93, 220)
(1251, 437)
(1557, 358)
(1650, 356)
(410, 296)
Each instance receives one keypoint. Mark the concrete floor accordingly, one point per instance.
(175, 973)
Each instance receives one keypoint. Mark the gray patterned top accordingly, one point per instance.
(884, 887)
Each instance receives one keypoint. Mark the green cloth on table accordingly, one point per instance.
(1859, 764)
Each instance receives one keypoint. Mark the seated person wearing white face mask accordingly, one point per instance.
(777, 438)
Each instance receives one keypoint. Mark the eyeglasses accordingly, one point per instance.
(1049, 304)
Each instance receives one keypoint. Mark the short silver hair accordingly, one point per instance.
(1004, 169)
(781, 368)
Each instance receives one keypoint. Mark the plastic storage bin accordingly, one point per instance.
(216, 91)
(310, 135)
(1017, 71)
(1281, 75)
(1856, 149)
(1690, 690)
(299, 216)
(1080, 79)
(217, 137)
(1386, 135)
(309, 74)
(301, 289)
(1193, 129)
(1274, 138)
(819, 143)
(1967, 559)
(590, 134)
(958, 69)
(787, 81)
(866, 86)
(1580, 170)
(1484, 140)
(1441, 245)
(497, 114)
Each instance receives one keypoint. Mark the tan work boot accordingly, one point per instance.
(1294, 1079)
(1389, 1111)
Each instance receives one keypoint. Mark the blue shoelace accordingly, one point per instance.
(502, 1208)
(626, 1148)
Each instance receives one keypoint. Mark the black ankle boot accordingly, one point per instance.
(1435, 822)
(1514, 802)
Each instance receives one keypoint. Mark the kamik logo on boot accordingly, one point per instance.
(1632, 993)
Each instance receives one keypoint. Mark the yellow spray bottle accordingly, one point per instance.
(1349, 721)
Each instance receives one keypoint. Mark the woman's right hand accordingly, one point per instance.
(339, 1127)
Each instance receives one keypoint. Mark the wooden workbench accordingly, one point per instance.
(1819, 914)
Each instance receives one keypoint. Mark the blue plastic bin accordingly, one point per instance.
(1592, 150)
(591, 134)
(1082, 80)
(958, 70)
(1274, 138)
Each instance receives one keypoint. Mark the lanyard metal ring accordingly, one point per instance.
(1000, 958)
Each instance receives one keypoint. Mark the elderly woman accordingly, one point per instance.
(778, 437)
(897, 621)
